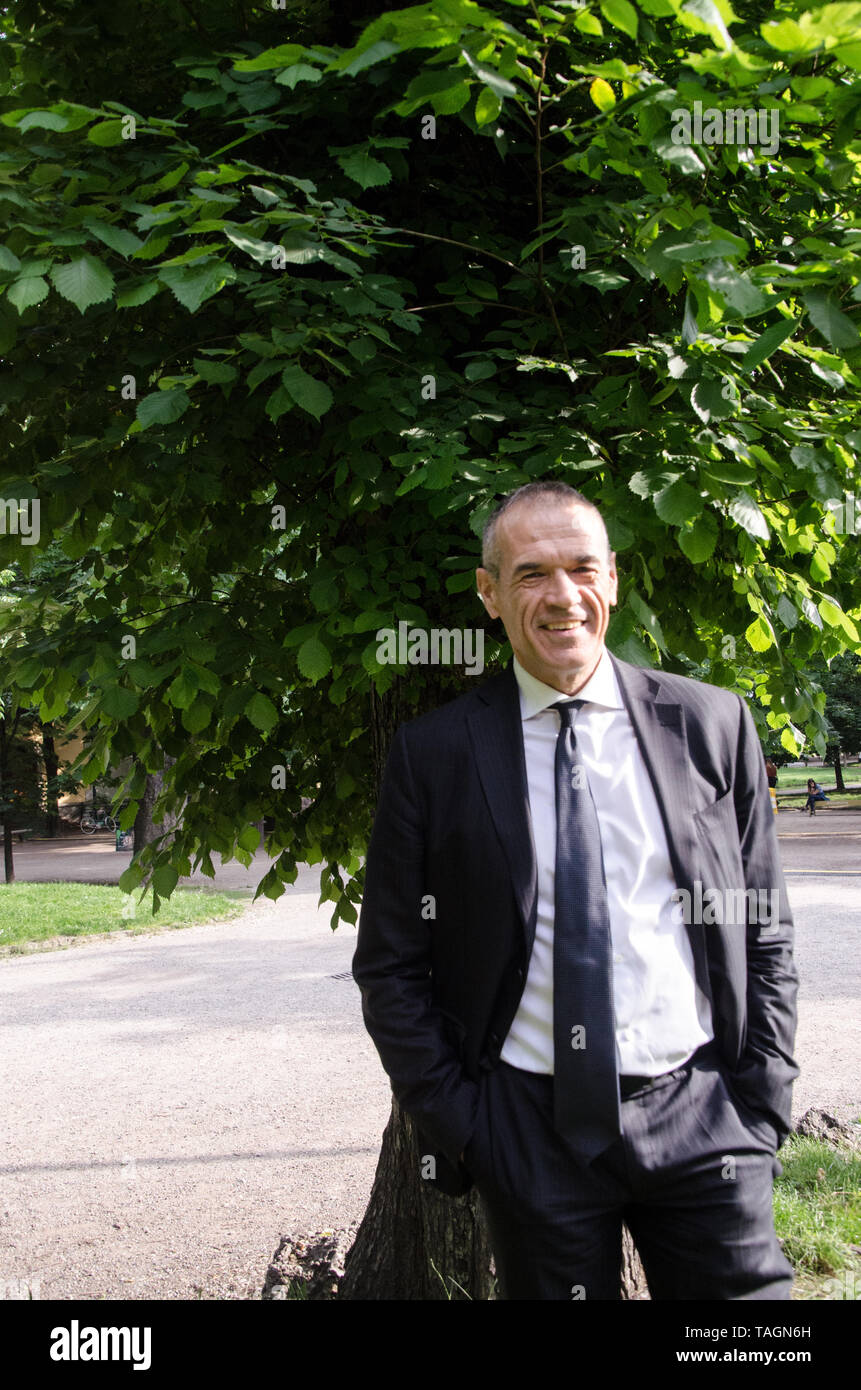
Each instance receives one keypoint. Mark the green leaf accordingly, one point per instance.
(730, 470)
(278, 404)
(260, 251)
(488, 105)
(314, 660)
(698, 541)
(280, 57)
(708, 401)
(684, 157)
(621, 15)
(164, 880)
(261, 712)
(784, 34)
(130, 878)
(835, 326)
(249, 839)
(364, 170)
(736, 290)
(217, 373)
(299, 72)
(759, 635)
(374, 53)
(197, 716)
(106, 133)
(163, 407)
(748, 515)
(84, 281)
(137, 294)
(42, 120)
(602, 94)
(118, 702)
(677, 503)
(8, 259)
(787, 612)
(193, 285)
(312, 395)
(603, 280)
(479, 370)
(32, 289)
(768, 342)
(117, 238)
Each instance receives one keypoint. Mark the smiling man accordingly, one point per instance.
(562, 1037)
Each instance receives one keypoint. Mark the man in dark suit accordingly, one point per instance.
(575, 947)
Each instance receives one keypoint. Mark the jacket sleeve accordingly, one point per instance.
(766, 1069)
(392, 966)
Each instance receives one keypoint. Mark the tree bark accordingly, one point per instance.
(8, 857)
(52, 768)
(6, 735)
(838, 771)
(415, 1242)
(144, 828)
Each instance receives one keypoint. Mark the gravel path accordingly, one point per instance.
(173, 1103)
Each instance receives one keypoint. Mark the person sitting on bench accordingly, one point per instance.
(814, 794)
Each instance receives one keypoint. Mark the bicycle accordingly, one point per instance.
(101, 820)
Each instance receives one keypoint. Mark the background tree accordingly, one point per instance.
(289, 302)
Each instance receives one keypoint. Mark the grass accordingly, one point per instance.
(817, 1215)
(790, 777)
(49, 913)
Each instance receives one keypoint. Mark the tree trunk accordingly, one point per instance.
(144, 829)
(6, 734)
(415, 1242)
(838, 771)
(8, 858)
(52, 768)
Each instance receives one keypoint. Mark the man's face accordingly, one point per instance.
(555, 590)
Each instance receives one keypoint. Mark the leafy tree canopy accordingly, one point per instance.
(290, 299)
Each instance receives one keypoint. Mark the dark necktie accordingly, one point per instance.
(586, 1086)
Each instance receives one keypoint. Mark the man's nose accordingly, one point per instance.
(563, 590)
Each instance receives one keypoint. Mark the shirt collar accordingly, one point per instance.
(601, 688)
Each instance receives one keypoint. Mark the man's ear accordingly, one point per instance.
(487, 591)
(614, 580)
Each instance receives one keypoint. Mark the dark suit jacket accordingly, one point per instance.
(448, 917)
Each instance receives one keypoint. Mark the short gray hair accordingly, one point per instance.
(530, 492)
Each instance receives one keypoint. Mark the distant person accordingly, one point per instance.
(814, 794)
(771, 772)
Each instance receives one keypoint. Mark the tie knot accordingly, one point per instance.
(567, 710)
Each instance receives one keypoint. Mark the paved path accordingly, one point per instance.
(174, 1102)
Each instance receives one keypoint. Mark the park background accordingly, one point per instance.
(292, 293)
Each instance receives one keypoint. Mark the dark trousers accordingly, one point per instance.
(691, 1177)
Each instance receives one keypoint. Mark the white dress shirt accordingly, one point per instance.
(662, 1016)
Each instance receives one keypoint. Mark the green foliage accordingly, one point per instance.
(817, 1206)
(274, 341)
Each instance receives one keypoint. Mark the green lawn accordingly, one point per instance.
(46, 912)
(790, 777)
(817, 1215)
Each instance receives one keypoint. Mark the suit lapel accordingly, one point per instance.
(496, 731)
(659, 725)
